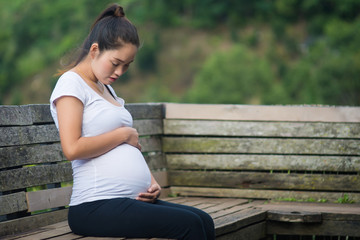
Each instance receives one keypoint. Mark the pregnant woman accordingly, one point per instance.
(114, 192)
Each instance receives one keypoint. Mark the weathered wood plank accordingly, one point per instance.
(30, 154)
(45, 153)
(261, 113)
(12, 115)
(150, 144)
(294, 216)
(12, 203)
(329, 211)
(238, 220)
(261, 145)
(148, 126)
(261, 180)
(236, 208)
(326, 228)
(48, 234)
(263, 162)
(35, 176)
(254, 232)
(155, 160)
(146, 110)
(161, 177)
(261, 129)
(40, 113)
(15, 115)
(32, 222)
(263, 194)
(226, 204)
(28, 135)
(49, 198)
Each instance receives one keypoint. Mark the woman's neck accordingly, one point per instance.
(88, 76)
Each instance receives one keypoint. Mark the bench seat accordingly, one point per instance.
(230, 215)
(237, 218)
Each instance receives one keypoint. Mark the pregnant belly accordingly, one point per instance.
(121, 172)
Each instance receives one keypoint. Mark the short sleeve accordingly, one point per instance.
(69, 84)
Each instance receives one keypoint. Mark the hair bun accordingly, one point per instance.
(119, 12)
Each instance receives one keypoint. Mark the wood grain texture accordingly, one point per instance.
(261, 146)
(13, 115)
(11, 203)
(22, 135)
(35, 176)
(30, 154)
(148, 126)
(263, 194)
(304, 113)
(146, 110)
(49, 198)
(263, 162)
(32, 222)
(261, 180)
(261, 129)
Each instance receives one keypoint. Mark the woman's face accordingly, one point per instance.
(109, 65)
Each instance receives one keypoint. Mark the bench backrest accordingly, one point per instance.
(198, 150)
(307, 153)
(35, 176)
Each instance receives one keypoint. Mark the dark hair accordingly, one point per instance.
(110, 30)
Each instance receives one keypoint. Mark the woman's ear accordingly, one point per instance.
(94, 50)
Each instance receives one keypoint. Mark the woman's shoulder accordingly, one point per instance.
(69, 84)
(70, 77)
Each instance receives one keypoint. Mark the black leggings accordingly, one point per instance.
(124, 217)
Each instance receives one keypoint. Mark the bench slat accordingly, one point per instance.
(155, 160)
(146, 110)
(11, 203)
(49, 233)
(326, 228)
(32, 222)
(263, 162)
(262, 129)
(261, 113)
(30, 154)
(238, 220)
(148, 126)
(150, 144)
(46, 153)
(261, 145)
(12, 115)
(262, 180)
(254, 232)
(262, 194)
(28, 135)
(35, 176)
(22, 135)
(49, 198)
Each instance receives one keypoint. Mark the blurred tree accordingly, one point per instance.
(236, 76)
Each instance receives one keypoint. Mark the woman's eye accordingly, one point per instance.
(115, 64)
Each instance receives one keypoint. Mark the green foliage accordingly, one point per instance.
(345, 199)
(311, 54)
(234, 76)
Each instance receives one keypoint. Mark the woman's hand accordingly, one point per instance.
(133, 137)
(152, 194)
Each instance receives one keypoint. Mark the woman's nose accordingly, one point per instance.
(119, 71)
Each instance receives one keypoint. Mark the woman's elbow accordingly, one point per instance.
(69, 153)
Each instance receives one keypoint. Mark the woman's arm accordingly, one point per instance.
(70, 113)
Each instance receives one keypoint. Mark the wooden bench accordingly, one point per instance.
(302, 153)
(229, 160)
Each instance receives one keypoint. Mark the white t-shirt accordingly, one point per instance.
(121, 172)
